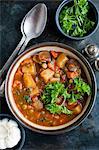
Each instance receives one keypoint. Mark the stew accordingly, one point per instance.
(50, 89)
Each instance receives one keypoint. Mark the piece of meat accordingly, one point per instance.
(44, 56)
(38, 105)
(47, 74)
(61, 60)
(72, 67)
(63, 78)
(36, 59)
(54, 54)
(72, 75)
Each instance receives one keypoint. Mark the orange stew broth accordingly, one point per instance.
(19, 89)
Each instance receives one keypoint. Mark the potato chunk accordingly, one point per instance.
(29, 68)
(61, 60)
(29, 81)
(77, 110)
(47, 74)
(54, 79)
(35, 91)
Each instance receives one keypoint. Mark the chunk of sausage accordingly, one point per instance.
(29, 81)
(44, 56)
(61, 60)
(29, 68)
(47, 74)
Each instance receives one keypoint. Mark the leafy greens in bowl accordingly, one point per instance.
(77, 19)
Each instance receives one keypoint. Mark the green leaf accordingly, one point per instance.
(57, 109)
(75, 97)
(51, 92)
(76, 15)
(55, 90)
(82, 86)
(65, 94)
(27, 98)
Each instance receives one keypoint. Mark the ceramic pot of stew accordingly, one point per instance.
(39, 71)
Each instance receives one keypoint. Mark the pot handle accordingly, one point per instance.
(91, 53)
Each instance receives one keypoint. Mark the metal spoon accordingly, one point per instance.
(32, 26)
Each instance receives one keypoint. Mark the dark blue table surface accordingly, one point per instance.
(84, 137)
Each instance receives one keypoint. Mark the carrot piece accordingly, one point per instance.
(54, 54)
(72, 74)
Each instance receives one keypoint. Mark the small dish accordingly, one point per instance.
(22, 140)
(93, 12)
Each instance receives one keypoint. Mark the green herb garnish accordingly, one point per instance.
(53, 91)
(81, 86)
(74, 20)
(54, 108)
(27, 98)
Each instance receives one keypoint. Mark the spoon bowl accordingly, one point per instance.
(34, 22)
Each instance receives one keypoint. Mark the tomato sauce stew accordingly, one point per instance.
(50, 89)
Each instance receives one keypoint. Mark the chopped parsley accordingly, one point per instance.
(55, 90)
(27, 98)
(74, 20)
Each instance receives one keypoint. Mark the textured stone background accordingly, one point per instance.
(84, 137)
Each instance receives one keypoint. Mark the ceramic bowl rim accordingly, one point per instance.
(72, 126)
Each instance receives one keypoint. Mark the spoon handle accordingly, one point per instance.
(23, 46)
(5, 68)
